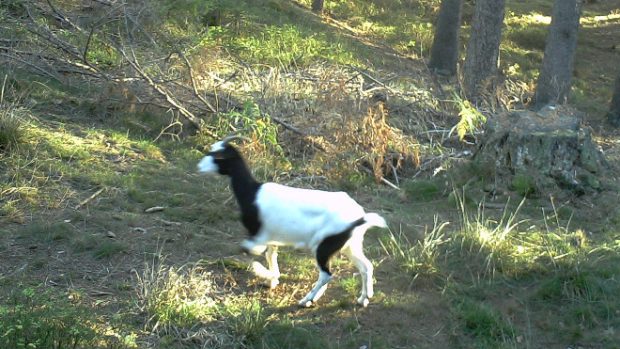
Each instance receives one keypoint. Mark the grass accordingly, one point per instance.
(175, 298)
(485, 323)
(420, 258)
(34, 318)
(89, 272)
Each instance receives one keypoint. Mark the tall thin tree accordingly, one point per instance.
(554, 80)
(613, 116)
(482, 56)
(445, 49)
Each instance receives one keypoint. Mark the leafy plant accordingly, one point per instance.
(523, 184)
(470, 120)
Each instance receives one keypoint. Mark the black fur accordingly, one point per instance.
(245, 187)
(333, 244)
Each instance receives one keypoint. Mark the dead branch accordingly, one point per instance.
(133, 61)
(194, 86)
(382, 179)
(33, 66)
(89, 199)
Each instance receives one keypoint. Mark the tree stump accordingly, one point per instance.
(549, 149)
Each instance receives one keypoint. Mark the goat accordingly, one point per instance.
(278, 215)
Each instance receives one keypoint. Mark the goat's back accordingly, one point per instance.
(294, 214)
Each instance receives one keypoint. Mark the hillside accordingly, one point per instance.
(109, 238)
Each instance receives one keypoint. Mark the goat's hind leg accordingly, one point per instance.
(318, 289)
(354, 251)
(326, 249)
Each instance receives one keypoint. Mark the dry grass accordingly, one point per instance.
(497, 282)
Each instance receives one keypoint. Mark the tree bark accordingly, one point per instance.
(317, 6)
(549, 148)
(445, 50)
(483, 47)
(614, 108)
(555, 77)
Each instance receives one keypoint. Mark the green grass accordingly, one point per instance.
(485, 324)
(11, 134)
(508, 278)
(32, 317)
(421, 258)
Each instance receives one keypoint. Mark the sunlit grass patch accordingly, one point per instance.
(246, 320)
(57, 164)
(41, 318)
(502, 249)
(411, 32)
(284, 46)
(175, 298)
(421, 258)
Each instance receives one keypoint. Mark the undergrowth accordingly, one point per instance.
(79, 171)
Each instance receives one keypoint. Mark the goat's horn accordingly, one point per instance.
(229, 139)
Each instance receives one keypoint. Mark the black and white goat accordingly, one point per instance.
(278, 215)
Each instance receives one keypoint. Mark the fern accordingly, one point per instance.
(470, 119)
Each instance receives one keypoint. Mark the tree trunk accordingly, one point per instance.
(445, 50)
(548, 149)
(556, 73)
(317, 6)
(614, 108)
(483, 47)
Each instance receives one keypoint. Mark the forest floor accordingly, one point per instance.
(109, 238)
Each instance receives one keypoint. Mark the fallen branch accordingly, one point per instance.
(133, 61)
(382, 179)
(89, 199)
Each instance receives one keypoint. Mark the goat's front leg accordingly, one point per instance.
(253, 247)
(271, 275)
(272, 262)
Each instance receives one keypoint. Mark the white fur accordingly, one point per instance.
(302, 218)
(207, 165)
(218, 146)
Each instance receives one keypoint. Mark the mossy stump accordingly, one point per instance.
(549, 149)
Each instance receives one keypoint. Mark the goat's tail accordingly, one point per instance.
(375, 220)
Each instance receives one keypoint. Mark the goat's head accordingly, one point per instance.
(221, 157)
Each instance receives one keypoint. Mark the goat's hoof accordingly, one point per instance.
(363, 301)
(305, 304)
(272, 284)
